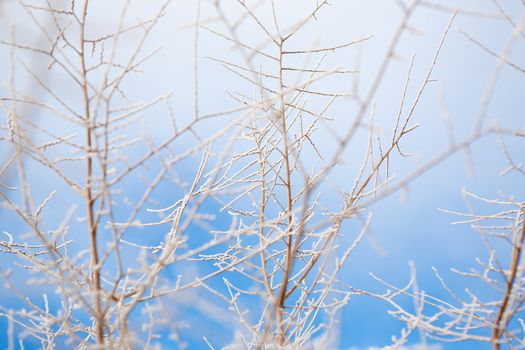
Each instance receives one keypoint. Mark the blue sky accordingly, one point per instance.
(407, 225)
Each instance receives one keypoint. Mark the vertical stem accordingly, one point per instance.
(286, 276)
(196, 61)
(90, 202)
(262, 239)
(500, 324)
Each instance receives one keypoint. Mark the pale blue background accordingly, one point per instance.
(412, 230)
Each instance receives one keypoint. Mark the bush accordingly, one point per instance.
(200, 175)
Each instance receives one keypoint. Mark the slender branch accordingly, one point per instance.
(89, 200)
(501, 322)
